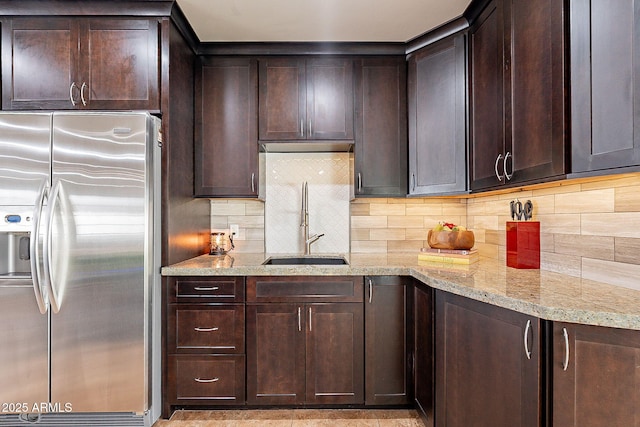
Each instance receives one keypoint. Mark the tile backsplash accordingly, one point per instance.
(589, 229)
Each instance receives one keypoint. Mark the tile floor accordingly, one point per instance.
(294, 418)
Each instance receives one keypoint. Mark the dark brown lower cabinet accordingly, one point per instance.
(596, 376)
(305, 353)
(487, 365)
(387, 340)
(423, 351)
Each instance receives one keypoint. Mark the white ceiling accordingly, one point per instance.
(317, 20)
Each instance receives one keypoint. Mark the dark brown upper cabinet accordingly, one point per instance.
(80, 63)
(381, 127)
(605, 84)
(437, 118)
(226, 132)
(517, 94)
(302, 99)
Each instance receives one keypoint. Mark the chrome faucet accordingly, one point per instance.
(304, 220)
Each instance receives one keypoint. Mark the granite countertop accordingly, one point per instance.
(544, 294)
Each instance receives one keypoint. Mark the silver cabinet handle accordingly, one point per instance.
(370, 291)
(73, 101)
(205, 329)
(253, 182)
(359, 182)
(495, 168)
(84, 101)
(212, 288)
(206, 380)
(309, 131)
(504, 166)
(302, 128)
(413, 182)
(299, 320)
(526, 341)
(565, 364)
(310, 329)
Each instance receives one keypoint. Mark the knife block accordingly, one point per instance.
(523, 244)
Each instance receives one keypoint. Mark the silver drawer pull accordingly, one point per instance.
(205, 329)
(212, 288)
(206, 380)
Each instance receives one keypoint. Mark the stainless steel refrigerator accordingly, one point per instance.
(79, 216)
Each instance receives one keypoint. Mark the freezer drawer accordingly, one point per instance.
(24, 376)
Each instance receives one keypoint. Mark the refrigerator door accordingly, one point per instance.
(96, 251)
(25, 140)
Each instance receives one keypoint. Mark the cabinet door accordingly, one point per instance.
(119, 64)
(437, 118)
(487, 365)
(423, 353)
(596, 380)
(335, 354)
(39, 63)
(605, 84)
(386, 341)
(226, 138)
(275, 354)
(283, 99)
(329, 98)
(487, 120)
(381, 127)
(535, 91)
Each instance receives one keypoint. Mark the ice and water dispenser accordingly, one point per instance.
(15, 235)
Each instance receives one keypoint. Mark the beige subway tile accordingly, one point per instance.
(361, 209)
(454, 210)
(387, 234)
(358, 221)
(498, 207)
(247, 221)
(230, 208)
(559, 263)
(488, 222)
(219, 221)
(387, 209)
(479, 235)
(627, 250)
(622, 180)
(614, 273)
(368, 247)
(405, 221)
(565, 187)
(543, 205)
(360, 234)
(585, 201)
(495, 237)
(416, 234)
(612, 224)
(586, 246)
(253, 233)
(394, 246)
(475, 208)
(254, 208)
(627, 199)
(560, 223)
(425, 209)
(547, 242)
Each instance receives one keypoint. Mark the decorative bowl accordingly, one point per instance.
(451, 239)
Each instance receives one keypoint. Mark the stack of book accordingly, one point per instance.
(453, 256)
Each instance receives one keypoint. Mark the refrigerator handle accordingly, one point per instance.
(55, 298)
(34, 249)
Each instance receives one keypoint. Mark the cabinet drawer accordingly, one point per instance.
(209, 379)
(210, 328)
(305, 289)
(199, 289)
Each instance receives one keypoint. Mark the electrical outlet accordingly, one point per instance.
(234, 229)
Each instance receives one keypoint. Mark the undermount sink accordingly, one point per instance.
(306, 260)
